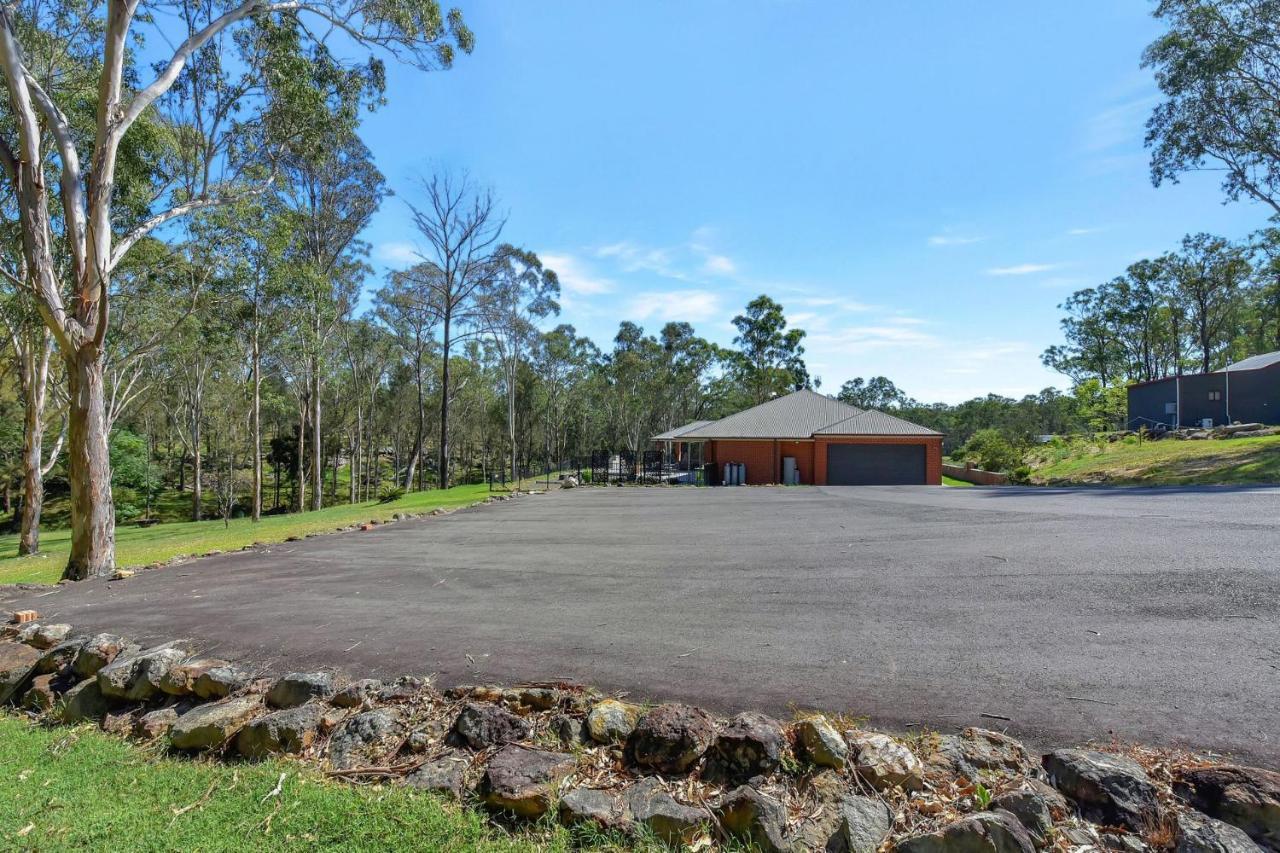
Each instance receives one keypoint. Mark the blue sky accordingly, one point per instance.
(920, 184)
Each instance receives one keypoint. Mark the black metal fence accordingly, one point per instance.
(606, 468)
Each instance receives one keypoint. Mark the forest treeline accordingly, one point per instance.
(190, 308)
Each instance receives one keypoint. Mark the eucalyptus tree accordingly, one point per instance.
(461, 228)
(1265, 298)
(563, 362)
(770, 358)
(330, 194)
(1219, 69)
(1210, 272)
(405, 307)
(509, 304)
(74, 303)
(33, 360)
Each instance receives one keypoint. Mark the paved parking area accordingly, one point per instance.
(1152, 614)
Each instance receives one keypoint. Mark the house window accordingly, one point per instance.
(1215, 396)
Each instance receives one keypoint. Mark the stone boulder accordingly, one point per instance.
(98, 651)
(289, 731)
(1198, 833)
(60, 656)
(672, 738)
(1036, 806)
(155, 725)
(670, 821)
(593, 806)
(137, 677)
(1106, 788)
(219, 682)
(403, 689)
(985, 832)
(363, 735)
(298, 688)
(210, 726)
(357, 694)
(483, 725)
(821, 743)
(17, 664)
(181, 679)
(612, 721)
(445, 774)
(884, 763)
(523, 781)
(41, 695)
(81, 703)
(975, 750)
(43, 636)
(571, 730)
(532, 698)
(750, 745)
(1245, 797)
(863, 823)
(757, 820)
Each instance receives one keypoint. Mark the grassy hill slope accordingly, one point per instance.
(1168, 462)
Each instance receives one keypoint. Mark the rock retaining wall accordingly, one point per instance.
(671, 771)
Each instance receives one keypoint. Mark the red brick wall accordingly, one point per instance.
(933, 453)
(763, 457)
(803, 452)
(758, 456)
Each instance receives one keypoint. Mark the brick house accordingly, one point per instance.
(831, 443)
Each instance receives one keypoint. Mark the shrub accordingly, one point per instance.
(390, 493)
(991, 451)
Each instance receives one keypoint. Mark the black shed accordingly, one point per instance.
(1247, 391)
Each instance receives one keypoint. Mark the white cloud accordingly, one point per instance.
(397, 253)
(633, 258)
(681, 305)
(719, 265)
(1080, 232)
(575, 278)
(1021, 269)
(945, 239)
(1118, 125)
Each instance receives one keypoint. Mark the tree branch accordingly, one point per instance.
(124, 244)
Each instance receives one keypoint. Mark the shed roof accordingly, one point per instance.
(673, 434)
(803, 414)
(1256, 362)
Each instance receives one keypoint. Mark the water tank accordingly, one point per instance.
(728, 474)
(1207, 423)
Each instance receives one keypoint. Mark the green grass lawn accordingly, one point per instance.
(138, 546)
(952, 481)
(79, 789)
(1168, 462)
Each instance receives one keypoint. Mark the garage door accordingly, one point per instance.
(875, 464)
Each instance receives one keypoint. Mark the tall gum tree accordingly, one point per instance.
(75, 304)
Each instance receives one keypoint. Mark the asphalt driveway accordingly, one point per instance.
(1150, 614)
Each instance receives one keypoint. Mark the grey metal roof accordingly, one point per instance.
(673, 434)
(803, 414)
(1256, 362)
(872, 422)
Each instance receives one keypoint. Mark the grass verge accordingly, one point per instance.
(139, 546)
(79, 789)
(952, 481)
(1168, 462)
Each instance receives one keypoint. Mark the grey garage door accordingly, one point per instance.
(875, 464)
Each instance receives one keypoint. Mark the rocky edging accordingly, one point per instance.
(669, 771)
